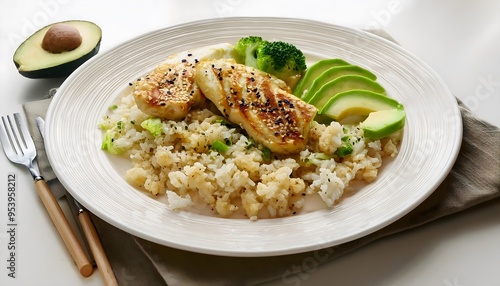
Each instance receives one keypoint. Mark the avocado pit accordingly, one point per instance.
(61, 37)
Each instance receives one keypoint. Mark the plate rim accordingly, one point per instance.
(242, 252)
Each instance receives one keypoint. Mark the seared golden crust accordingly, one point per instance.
(258, 102)
(169, 91)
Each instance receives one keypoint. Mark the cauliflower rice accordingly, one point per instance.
(181, 165)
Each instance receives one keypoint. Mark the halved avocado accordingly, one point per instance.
(33, 61)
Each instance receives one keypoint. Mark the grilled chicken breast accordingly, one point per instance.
(170, 91)
(260, 103)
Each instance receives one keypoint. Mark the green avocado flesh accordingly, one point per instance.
(333, 73)
(350, 94)
(383, 123)
(359, 103)
(342, 84)
(315, 71)
(380, 116)
(33, 61)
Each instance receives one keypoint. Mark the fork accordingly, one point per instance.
(19, 148)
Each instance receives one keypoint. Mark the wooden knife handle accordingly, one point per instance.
(97, 250)
(64, 228)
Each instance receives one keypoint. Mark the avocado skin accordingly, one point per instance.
(63, 70)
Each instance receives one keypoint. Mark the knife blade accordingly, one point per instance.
(89, 230)
(40, 123)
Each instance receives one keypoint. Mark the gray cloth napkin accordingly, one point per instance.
(474, 179)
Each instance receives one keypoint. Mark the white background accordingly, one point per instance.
(460, 40)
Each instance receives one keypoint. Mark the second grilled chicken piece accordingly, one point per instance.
(169, 91)
(260, 103)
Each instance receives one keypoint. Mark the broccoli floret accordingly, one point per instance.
(281, 59)
(278, 58)
(246, 49)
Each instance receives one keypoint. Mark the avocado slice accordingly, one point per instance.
(333, 73)
(359, 103)
(34, 61)
(380, 115)
(383, 123)
(341, 84)
(313, 72)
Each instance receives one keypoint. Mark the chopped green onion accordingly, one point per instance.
(266, 154)
(220, 121)
(220, 147)
(113, 107)
(343, 151)
(347, 146)
(250, 143)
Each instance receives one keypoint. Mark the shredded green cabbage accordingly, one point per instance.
(108, 143)
(153, 125)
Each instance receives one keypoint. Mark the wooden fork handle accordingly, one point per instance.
(64, 228)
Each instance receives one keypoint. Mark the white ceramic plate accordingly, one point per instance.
(432, 138)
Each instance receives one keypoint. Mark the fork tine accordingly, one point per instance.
(26, 136)
(8, 137)
(20, 148)
(16, 136)
(16, 140)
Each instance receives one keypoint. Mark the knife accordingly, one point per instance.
(90, 232)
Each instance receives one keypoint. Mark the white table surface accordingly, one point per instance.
(460, 40)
